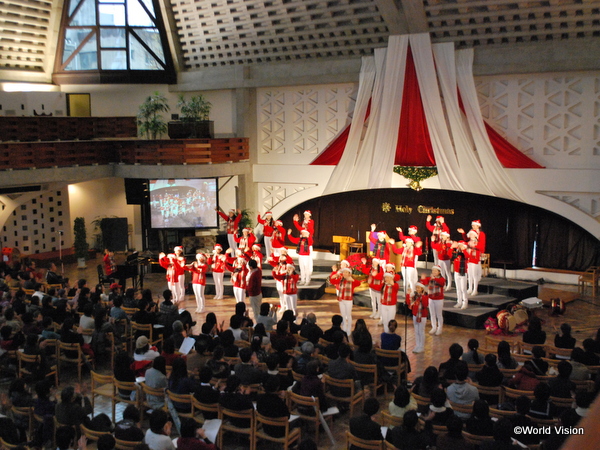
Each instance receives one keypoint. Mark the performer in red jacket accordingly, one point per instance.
(410, 254)
(460, 266)
(246, 240)
(418, 302)
(381, 246)
(174, 270)
(256, 255)
(217, 262)
(278, 238)
(412, 234)
(279, 264)
(307, 224)
(268, 224)
(233, 222)
(375, 280)
(389, 300)
(289, 282)
(475, 227)
(444, 252)
(436, 230)
(435, 290)
(474, 259)
(198, 269)
(179, 294)
(239, 271)
(305, 261)
(345, 285)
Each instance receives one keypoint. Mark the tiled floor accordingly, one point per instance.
(583, 315)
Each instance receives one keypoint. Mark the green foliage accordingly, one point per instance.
(195, 109)
(246, 220)
(80, 238)
(149, 116)
(416, 174)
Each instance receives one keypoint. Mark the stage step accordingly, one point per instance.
(520, 290)
(472, 317)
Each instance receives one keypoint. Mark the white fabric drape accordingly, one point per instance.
(387, 129)
(470, 173)
(445, 158)
(339, 178)
(497, 177)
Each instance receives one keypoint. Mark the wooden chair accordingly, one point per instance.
(520, 358)
(555, 353)
(475, 439)
(543, 422)
(353, 399)
(525, 348)
(352, 440)
(147, 330)
(370, 371)
(509, 373)
(102, 278)
(126, 445)
(291, 435)
(129, 311)
(64, 350)
(589, 277)
(25, 413)
(324, 342)
(297, 376)
(202, 408)
(485, 264)
(513, 394)
(226, 426)
(562, 403)
(249, 332)
(462, 408)
(500, 413)
(92, 435)
(8, 446)
(23, 360)
(584, 385)
(181, 399)
(147, 390)
(103, 386)
(386, 356)
(491, 344)
(438, 430)
(301, 405)
(241, 344)
(489, 392)
(125, 386)
(422, 402)
(57, 425)
(390, 421)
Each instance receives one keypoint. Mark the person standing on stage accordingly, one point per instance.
(435, 291)
(375, 280)
(268, 224)
(410, 254)
(460, 266)
(238, 267)
(307, 224)
(278, 238)
(412, 234)
(254, 287)
(110, 266)
(381, 249)
(474, 259)
(436, 230)
(345, 285)
(475, 270)
(304, 243)
(233, 222)
(217, 263)
(444, 251)
(279, 264)
(475, 227)
(389, 300)
(198, 269)
(418, 302)
(289, 283)
(174, 270)
(179, 296)
(246, 240)
(256, 255)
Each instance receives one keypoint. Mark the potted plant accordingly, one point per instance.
(194, 120)
(80, 244)
(149, 116)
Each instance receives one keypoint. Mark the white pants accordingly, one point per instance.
(409, 278)
(388, 312)
(346, 313)
(282, 301)
(199, 293)
(218, 279)
(277, 251)
(176, 291)
(446, 273)
(461, 289)
(419, 333)
(435, 314)
(267, 242)
(255, 302)
(181, 282)
(239, 294)
(306, 268)
(436, 260)
(473, 277)
(232, 244)
(376, 303)
(291, 301)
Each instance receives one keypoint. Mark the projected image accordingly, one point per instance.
(181, 203)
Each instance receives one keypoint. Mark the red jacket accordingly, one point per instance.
(290, 282)
(444, 249)
(278, 237)
(243, 242)
(473, 255)
(410, 258)
(375, 280)
(389, 294)
(218, 263)
(198, 273)
(267, 228)
(435, 287)
(238, 274)
(432, 229)
(274, 260)
(305, 225)
(232, 222)
(412, 301)
(480, 240)
(303, 244)
(381, 249)
(173, 270)
(254, 287)
(345, 288)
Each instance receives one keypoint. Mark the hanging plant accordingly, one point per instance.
(416, 174)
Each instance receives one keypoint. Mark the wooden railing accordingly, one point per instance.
(27, 155)
(36, 128)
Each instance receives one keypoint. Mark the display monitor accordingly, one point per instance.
(183, 203)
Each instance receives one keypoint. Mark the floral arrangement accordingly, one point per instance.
(416, 174)
(356, 264)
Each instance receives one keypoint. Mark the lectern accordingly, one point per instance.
(344, 241)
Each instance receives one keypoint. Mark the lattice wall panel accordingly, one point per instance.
(273, 194)
(296, 124)
(33, 226)
(553, 119)
(24, 33)
(587, 202)
(224, 32)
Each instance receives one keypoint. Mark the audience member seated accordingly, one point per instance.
(285, 379)
(272, 404)
(267, 316)
(505, 359)
(193, 437)
(564, 338)
(403, 401)
(460, 391)
(290, 318)
(539, 365)
(158, 436)
(168, 351)
(541, 406)
(282, 339)
(242, 313)
(361, 333)
(342, 369)
(580, 371)
(143, 351)
(123, 372)
(206, 393)
(453, 439)
(520, 419)
(534, 334)
(65, 439)
(363, 426)
(407, 436)
(438, 412)
(336, 325)
(228, 342)
(236, 398)
(525, 379)
(503, 430)
(178, 334)
(45, 408)
(390, 340)
(181, 383)
(561, 385)
(473, 357)
(480, 423)
(310, 330)
(426, 384)
(74, 406)
(312, 386)
(156, 378)
(129, 429)
(235, 322)
(331, 351)
(309, 353)
(197, 358)
(446, 369)
(590, 357)
(246, 370)
(583, 400)
(218, 366)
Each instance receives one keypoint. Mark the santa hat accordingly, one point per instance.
(278, 223)
(444, 233)
(289, 266)
(268, 213)
(345, 269)
(282, 258)
(389, 274)
(472, 234)
(232, 210)
(218, 246)
(439, 218)
(421, 285)
(438, 268)
(202, 256)
(256, 246)
(407, 240)
(304, 231)
(308, 212)
(413, 228)
(476, 223)
(375, 260)
(390, 266)
(344, 262)
(171, 256)
(178, 249)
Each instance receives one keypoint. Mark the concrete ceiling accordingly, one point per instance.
(211, 34)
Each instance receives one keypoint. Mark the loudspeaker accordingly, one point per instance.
(135, 190)
(114, 233)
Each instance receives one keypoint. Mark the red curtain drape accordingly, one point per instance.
(509, 156)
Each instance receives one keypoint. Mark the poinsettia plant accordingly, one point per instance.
(356, 263)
